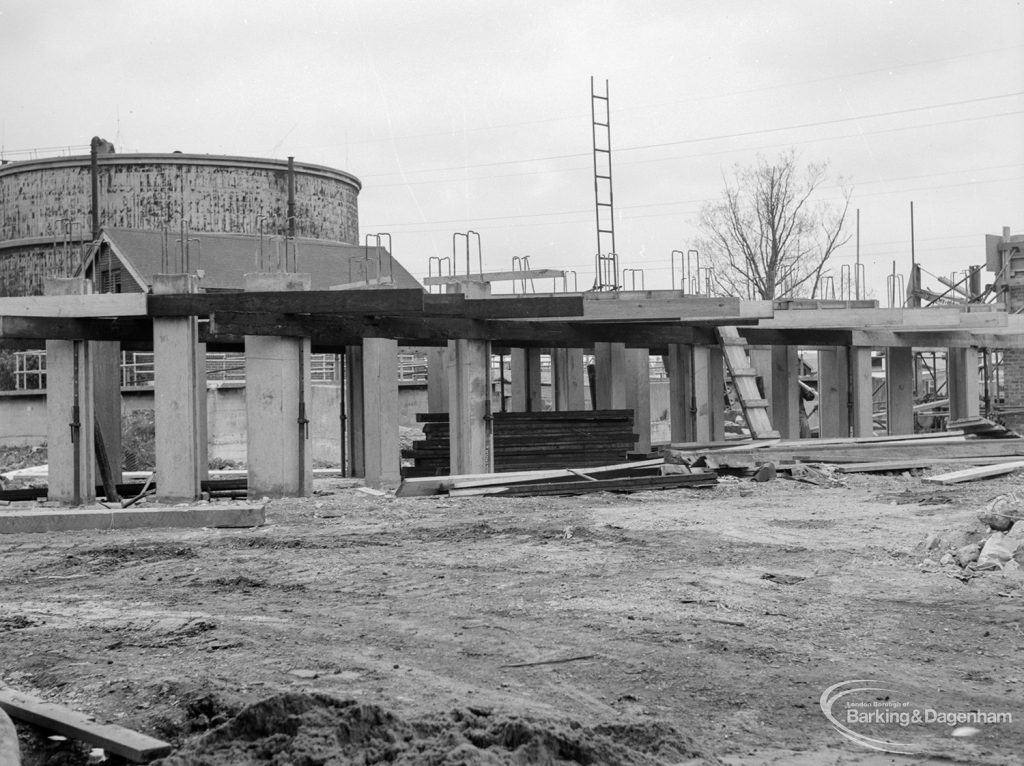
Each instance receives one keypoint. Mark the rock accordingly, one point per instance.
(303, 673)
(999, 522)
(765, 473)
(967, 554)
(947, 558)
(995, 552)
(1014, 540)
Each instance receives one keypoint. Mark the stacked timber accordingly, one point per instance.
(527, 441)
(865, 454)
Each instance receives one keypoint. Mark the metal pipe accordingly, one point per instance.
(76, 424)
(340, 362)
(291, 196)
(302, 420)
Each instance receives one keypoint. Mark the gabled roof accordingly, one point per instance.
(224, 259)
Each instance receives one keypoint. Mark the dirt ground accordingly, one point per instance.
(353, 628)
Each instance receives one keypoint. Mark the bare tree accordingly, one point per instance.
(767, 238)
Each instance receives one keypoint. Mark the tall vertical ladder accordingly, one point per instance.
(744, 382)
(606, 264)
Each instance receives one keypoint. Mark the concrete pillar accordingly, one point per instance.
(862, 391)
(709, 393)
(437, 379)
(526, 384)
(899, 390)
(469, 407)
(681, 392)
(761, 361)
(637, 374)
(962, 383)
(610, 366)
(785, 391)
(356, 411)
(69, 410)
(106, 364)
(175, 403)
(470, 427)
(277, 395)
(381, 444)
(568, 372)
(833, 392)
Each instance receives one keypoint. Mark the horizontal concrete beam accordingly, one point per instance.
(27, 521)
(98, 305)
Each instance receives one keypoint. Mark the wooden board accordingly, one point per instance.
(118, 740)
(979, 472)
(639, 484)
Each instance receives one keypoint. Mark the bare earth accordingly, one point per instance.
(410, 614)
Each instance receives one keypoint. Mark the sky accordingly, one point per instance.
(476, 116)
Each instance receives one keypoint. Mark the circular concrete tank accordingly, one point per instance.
(46, 204)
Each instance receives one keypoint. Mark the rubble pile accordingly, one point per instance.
(996, 544)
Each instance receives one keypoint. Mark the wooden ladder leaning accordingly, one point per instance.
(744, 381)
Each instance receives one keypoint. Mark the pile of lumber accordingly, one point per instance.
(635, 476)
(854, 455)
(525, 441)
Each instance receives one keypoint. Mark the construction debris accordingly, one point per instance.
(128, 744)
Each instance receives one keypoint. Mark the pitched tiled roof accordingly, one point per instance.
(224, 259)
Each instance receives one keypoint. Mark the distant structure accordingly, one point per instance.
(52, 209)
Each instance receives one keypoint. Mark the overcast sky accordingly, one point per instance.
(464, 116)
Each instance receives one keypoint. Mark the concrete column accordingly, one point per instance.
(833, 392)
(356, 411)
(761, 361)
(469, 407)
(709, 388)
(526, 384)
(175, 379)
(381, 444)
(568, 374)
(70, 416)
(277, 395)
(899, 388)
(106, 364)
(681, 392)
(862, 391)
(437, 379)
(962, 383)
(610, 366)
(716, 386)
(637, 375)
(785, 391)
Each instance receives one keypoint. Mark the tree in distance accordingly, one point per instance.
(769, 237)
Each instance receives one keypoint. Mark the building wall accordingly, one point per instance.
(237, 195)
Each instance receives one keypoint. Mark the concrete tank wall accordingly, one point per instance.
(236, 195)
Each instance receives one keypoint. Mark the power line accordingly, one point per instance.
(743, 134)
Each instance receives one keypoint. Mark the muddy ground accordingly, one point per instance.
(687, 626)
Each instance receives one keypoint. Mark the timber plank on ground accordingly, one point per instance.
(628, 484)
(978, 472)
(122, 742)
(28, 521)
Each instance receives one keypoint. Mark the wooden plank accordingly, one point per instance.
(875, 452)
(36, 521)
(71, 306)
(907, 465)
(118, 740)
(638, 484)
(980, 472)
